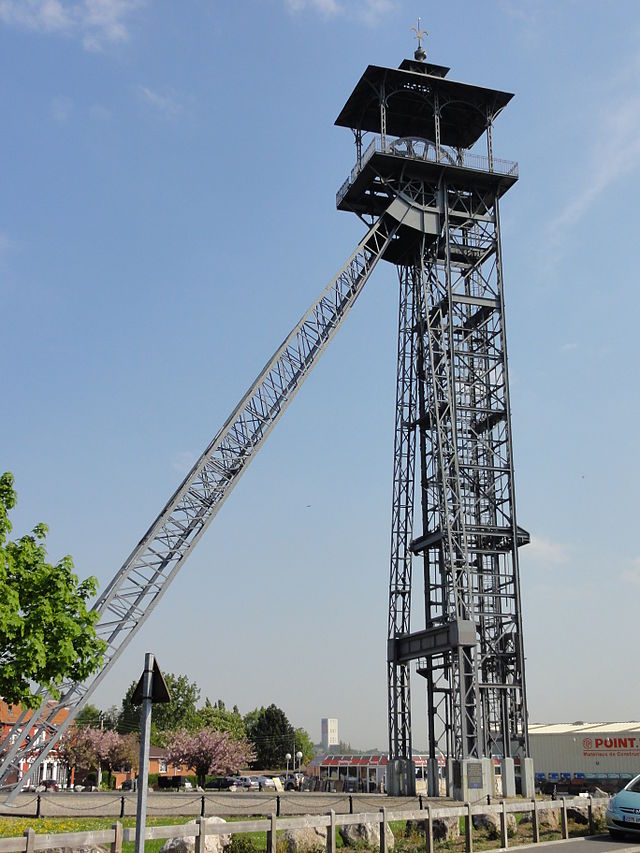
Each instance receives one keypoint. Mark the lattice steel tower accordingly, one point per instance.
(453, 498)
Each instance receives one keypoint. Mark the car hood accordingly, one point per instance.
(628, 800)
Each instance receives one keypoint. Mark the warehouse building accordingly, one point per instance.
(582, 756)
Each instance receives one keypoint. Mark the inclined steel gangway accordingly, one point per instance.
(144, 577)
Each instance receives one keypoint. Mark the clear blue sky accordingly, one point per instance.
(168, 212)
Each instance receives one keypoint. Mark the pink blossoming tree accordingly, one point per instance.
(208, 751)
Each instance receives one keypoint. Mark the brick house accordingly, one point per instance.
(52, 768)
(157, 764)
(55, 769)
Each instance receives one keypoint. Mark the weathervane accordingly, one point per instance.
(420, 53)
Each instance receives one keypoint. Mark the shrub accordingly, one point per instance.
(242, 844)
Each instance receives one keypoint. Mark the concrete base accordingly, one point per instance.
(472, 779)
(527, 779)
(449, 770)
(508, 777)
(401, 778)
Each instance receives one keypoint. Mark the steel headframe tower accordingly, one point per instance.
(453, 493)
(432, 210)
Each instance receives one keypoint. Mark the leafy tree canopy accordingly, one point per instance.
(251, 720)
(89, 716)
(179, 713)
(304, 745)
(272, 736)
(94, 718)
(46, 631)
(217, 718)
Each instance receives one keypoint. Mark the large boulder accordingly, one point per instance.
(444, 828)
(579, 811)
(491, 824)
(600, 811)
(212, 843)
(366, 834)
(306, 838)
(87, 848)
(548, 819)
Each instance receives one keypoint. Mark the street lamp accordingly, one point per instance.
(299, 757)
(288, 757)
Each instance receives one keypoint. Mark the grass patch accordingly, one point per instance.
(10, 827)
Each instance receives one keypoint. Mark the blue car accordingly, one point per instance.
(623, 811)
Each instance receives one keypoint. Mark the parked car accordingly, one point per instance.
(249, 783)
(292, 782)
(266, 783)
(221, 783)
(623, 811)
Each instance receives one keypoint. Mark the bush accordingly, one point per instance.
(242, 844)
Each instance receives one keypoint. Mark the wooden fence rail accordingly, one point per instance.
(31, 841)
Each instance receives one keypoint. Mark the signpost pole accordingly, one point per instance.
(145, 733)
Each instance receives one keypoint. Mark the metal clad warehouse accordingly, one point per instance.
(585, 755)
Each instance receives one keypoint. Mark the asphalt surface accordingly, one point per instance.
(593, 844)
(165, 804)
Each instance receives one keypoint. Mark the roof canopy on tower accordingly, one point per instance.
(410, 98)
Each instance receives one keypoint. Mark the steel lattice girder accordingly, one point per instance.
(146, 574)
(399, 698)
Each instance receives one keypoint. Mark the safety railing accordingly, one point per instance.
(419, 149)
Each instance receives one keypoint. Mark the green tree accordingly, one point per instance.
(304, 745)
(94, 718)
(251, 720)
(179, 713)
(272, 736)
(89, 716)
(217, 718)
(46, 632)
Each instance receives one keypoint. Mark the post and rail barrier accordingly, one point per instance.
(31, 841)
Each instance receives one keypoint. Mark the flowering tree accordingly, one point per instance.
(208, 751)
(76, 749)
(110, 750)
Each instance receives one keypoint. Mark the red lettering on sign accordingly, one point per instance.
(608, 742)
(598, 742)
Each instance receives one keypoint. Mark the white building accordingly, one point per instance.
(329, 730)
(583, 755)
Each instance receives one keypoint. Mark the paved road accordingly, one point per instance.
(93, 804)
(594, 844)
